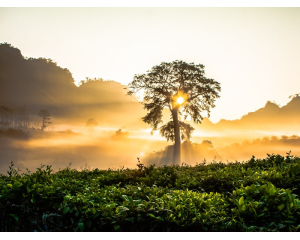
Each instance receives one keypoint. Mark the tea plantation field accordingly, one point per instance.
(257, 195)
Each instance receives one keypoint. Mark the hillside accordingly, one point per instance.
(41, 84)
(270, 118)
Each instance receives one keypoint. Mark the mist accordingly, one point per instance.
(104, 149)
(260, 147)
(61, 149)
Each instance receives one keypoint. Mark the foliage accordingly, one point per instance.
(257, 195)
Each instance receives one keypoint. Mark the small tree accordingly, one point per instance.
(183, 89)
(46, 118)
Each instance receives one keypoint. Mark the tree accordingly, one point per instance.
(183, 89)
(46, 118)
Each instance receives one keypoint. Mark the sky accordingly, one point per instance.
(254, 53)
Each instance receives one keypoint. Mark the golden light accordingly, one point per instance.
(180, 100)
(142, 154)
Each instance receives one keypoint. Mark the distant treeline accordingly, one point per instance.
(16, 118)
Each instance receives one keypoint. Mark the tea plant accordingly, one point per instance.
(257, 195)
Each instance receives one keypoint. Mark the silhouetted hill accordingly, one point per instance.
(41, 84)
(269, 118)
(292, 110)
(32, 82)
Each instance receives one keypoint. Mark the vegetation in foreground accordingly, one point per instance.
(257, 195)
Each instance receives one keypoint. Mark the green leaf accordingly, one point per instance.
(125, 198)
(116, 227)
(272, 190)
(241, 201)
(81, 226)
(15, 217)
(66, 209)
(281, 207)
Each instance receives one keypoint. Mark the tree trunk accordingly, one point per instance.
(177, 145)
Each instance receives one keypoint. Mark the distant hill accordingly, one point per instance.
(41, 84)
(269, 118)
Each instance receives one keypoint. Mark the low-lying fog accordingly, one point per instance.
(97, 148)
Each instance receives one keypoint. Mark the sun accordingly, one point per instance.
(180, 100)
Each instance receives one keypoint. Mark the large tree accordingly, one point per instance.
(183, 89)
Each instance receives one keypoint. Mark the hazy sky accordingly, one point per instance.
(253, 52)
